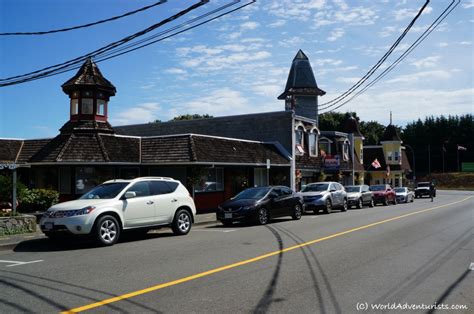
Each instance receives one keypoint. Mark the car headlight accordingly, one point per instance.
(84, 211)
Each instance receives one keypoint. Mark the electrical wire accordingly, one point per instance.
(415, 44)
(334, 101)
(120, 51)
(85, 25)
(8, 81)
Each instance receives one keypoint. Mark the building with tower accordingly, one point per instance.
(215, 157)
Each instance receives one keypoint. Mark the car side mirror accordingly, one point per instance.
(130, 195)
(332, 190)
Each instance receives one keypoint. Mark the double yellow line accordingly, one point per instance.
(245, 262)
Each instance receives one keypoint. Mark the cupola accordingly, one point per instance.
(89, 93)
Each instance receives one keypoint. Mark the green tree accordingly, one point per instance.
(191, 117)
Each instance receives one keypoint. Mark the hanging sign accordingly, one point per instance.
(10, 166)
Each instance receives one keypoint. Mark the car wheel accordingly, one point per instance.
(371, 204)
(359, 204)
(394, 201)
(181, 224)
(107, 230)
(385, 202)
(412, 199)
(297, 212)
(344, 205)
(262, 216)
(328, 208)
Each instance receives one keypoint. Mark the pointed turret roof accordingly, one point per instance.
(390, 134)
(352, 126)
(301, 78)
(88, 76)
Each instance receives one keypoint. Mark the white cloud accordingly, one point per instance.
(249, 25)
(403, 14)
(468, 4)
(465, 43)
(276, 24)
(325, 62)
(387, 31)
(291, 42)
(224, 101)
(268, 90)
(177, 71)
(427, 62)
(142, 113)
(350, 80)
(290, 9)
(336, 34)
(409, 105)
(443, 44)
(418, 76)
(351, 16)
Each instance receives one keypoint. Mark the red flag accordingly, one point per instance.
(376, 164)
(461, 147)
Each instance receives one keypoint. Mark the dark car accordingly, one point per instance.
(423, 189)
(324, 196)
(383, 193)
(359, 195)
(260, 204)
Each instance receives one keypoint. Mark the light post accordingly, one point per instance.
(414, 163)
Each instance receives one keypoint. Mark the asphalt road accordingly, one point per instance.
(408, 254)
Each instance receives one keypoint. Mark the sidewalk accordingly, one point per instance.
(9, 242)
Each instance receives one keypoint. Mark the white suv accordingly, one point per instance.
(116, 205)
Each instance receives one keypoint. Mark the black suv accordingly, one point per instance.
(423, 189)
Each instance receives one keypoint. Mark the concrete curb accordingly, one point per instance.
(200, 220)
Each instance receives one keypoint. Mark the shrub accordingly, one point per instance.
(38, 200)
(6, 189)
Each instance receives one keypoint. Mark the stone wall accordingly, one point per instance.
(17, 224)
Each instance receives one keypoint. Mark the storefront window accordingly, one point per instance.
(313, 150)
(87, 106)
(89, 177)
(212, 181)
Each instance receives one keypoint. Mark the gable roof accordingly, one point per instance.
(390, 134)
(301, 78)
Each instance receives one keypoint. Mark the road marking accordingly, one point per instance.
(471, 267)
(245, 262)
(218, 230)
(19, 263)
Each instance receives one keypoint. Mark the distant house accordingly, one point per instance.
(391, 155)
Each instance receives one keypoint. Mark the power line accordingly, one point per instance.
(334, 101)
(85, 25)
(113, 54)
(415, 44)
(50, 69)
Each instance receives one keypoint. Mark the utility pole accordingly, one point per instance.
(414, 163)
(429, 159)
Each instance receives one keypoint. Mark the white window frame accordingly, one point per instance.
(345, 148)
(299, 145)
(74, 106)
(101, 104)
(84, 102)
(313, 143)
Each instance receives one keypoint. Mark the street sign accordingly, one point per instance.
(10, 166)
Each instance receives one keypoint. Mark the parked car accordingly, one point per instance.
(423, 189)
(359, 195)
(383, 193)
(118, 205)
(260, 204)
(404, 195)
(325, 196)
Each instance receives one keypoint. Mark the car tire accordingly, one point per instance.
(385, 202)
(297, 212)
(344, 206)
(262, 216)
(182, 222)
(371, 204)
(412, 199)
(106, 230)
(395, 201)
(328, 208)
(360, 204)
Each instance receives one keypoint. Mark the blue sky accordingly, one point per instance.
(237, 64)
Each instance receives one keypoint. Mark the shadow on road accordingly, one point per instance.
(23, 283)
(247, 224)
(74, 243)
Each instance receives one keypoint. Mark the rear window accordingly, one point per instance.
(377, 188)
(423, 184)
(163, 187)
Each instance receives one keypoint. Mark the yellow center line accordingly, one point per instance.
(245, 262)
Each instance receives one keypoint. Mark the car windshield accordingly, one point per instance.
(424, 185)
(316, 187)
(252, 193)
(377, 188)
(400, 190)
(352, 189)
(105, 191)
